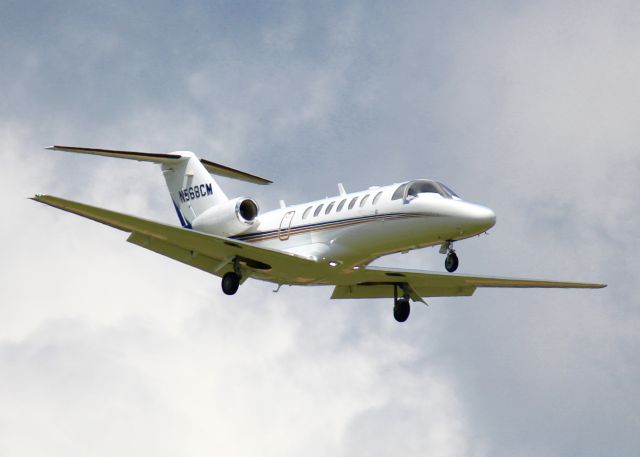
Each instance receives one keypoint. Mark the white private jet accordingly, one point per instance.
(324, 242)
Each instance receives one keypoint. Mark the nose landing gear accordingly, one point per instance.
(451, 262)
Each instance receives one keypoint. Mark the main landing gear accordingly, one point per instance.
(401, 309)
(231, 279)
(451, 262)
(230, 283)
(401, 306)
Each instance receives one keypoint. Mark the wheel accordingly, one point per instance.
(401, 310)
(451, 262)
(230, 283)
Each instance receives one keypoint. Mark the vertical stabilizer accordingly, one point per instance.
(192, 188)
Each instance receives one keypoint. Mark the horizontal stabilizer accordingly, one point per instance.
(212, 167)
(221, 170)
(131, 155)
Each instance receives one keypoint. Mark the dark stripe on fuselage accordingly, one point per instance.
(319, 226)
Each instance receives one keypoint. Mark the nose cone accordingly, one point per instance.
(480, 218)
(486, 216)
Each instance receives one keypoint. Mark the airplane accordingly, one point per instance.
(329, 242)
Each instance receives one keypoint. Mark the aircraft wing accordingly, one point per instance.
(209, 253)
(376, 282)
(214, 254)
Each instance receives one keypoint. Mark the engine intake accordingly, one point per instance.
(247, 210)
(230, 218)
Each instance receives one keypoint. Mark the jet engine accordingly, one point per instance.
(230, 218)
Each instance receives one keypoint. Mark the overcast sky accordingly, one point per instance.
(532, 110)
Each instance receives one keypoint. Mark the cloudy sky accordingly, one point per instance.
(532, 110)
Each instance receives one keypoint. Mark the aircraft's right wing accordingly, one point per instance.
(210, 253)
(376, 282)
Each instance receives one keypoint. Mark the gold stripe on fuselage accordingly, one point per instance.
(273, 234)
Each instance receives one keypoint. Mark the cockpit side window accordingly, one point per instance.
(399, 193)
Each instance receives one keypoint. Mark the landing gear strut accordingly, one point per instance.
(231, 279)
(401, 306)
(451, 262)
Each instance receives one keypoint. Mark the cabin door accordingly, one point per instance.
(285, 225)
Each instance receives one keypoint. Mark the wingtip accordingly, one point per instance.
(51, 148)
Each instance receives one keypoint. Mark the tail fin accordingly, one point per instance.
(192, 188)
(188, 178)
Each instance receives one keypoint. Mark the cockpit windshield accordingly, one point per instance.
(411, 189)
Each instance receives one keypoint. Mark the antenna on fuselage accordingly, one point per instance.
(341, 189)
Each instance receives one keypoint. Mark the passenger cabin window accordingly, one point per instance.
(340, 205)
(376, 198)
(353, 202)
(328, 210)
(306, 212)
(364, 200)
(318, 209)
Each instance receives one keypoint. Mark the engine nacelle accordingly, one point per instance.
(230, 218)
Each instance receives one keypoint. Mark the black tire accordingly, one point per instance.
(451, 262)
(401, 310)
(230, 283)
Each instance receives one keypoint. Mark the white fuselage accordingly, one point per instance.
(354, 229)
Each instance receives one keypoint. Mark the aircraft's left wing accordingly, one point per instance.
(207, 252)
(375, 282)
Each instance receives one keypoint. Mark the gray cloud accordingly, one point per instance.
(532, 110)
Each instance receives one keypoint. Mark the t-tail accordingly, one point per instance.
(198, 199)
